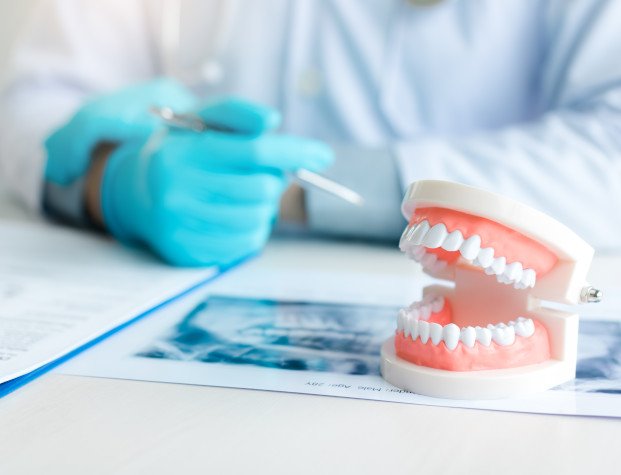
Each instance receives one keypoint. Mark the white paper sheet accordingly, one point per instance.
(324, 342)
(60, 289)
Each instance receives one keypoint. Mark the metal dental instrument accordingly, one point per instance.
(303, 176)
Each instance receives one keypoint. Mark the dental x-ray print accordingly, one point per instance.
(336, 338)
(285, 335)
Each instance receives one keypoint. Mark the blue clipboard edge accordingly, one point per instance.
(16, 383)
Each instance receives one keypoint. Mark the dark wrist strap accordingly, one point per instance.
(69, 203)
(66, 203)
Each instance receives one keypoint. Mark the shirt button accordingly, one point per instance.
(309, 83)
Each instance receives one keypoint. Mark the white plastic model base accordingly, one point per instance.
(488, 336)
(484, 384)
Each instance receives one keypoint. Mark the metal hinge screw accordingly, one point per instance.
(590, 295)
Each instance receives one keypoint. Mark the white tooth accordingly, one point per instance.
(519, 286)
(453, 241)
(405, 232)
(490, 271)
(423, 330)
(486, 256)
(435, 333)
(416, 252)
(498, 266)
(471, 246)
(484, 335)
(519, 273)
(425, 312)
(404, 237)
(526, 273)
(419, 232)
(414, 313)
(419, 252)
(450, 334)
(428, 260)
(468, 336)
(513, 271)
(528, 278)
(408, 250)
(413, 328)
(503, 279)
(503, 336)
(407, 327)
(438, 266)
(436, 236)
(401, 319)
(519, 329)
(525, 327)
(437, 304)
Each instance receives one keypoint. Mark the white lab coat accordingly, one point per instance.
(517, 96)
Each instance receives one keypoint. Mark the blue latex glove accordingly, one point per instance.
(210, 198)
(197, 199)
(114, 117)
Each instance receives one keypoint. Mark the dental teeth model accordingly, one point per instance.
(489, 336)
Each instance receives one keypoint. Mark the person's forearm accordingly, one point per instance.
(566, 163)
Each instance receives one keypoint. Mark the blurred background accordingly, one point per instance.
(12, 16)
(390, 107)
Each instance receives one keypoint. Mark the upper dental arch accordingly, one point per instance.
(416, 238)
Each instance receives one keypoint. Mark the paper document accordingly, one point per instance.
(60, 289)
(265, 334)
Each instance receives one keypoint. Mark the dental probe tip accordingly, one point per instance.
(329, 186)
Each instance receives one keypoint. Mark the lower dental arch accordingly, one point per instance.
(424, 320)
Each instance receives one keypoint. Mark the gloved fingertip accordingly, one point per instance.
(325, 153)
(318, 156)
(271, 119)
(244, 116)
(261, 119)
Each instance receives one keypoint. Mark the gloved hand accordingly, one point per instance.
(210, 198)
(112, 118)
(197, 199)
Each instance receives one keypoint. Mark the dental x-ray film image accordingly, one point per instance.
(283, 335)
(336, 338)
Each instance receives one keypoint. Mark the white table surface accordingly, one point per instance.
(68, 424)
